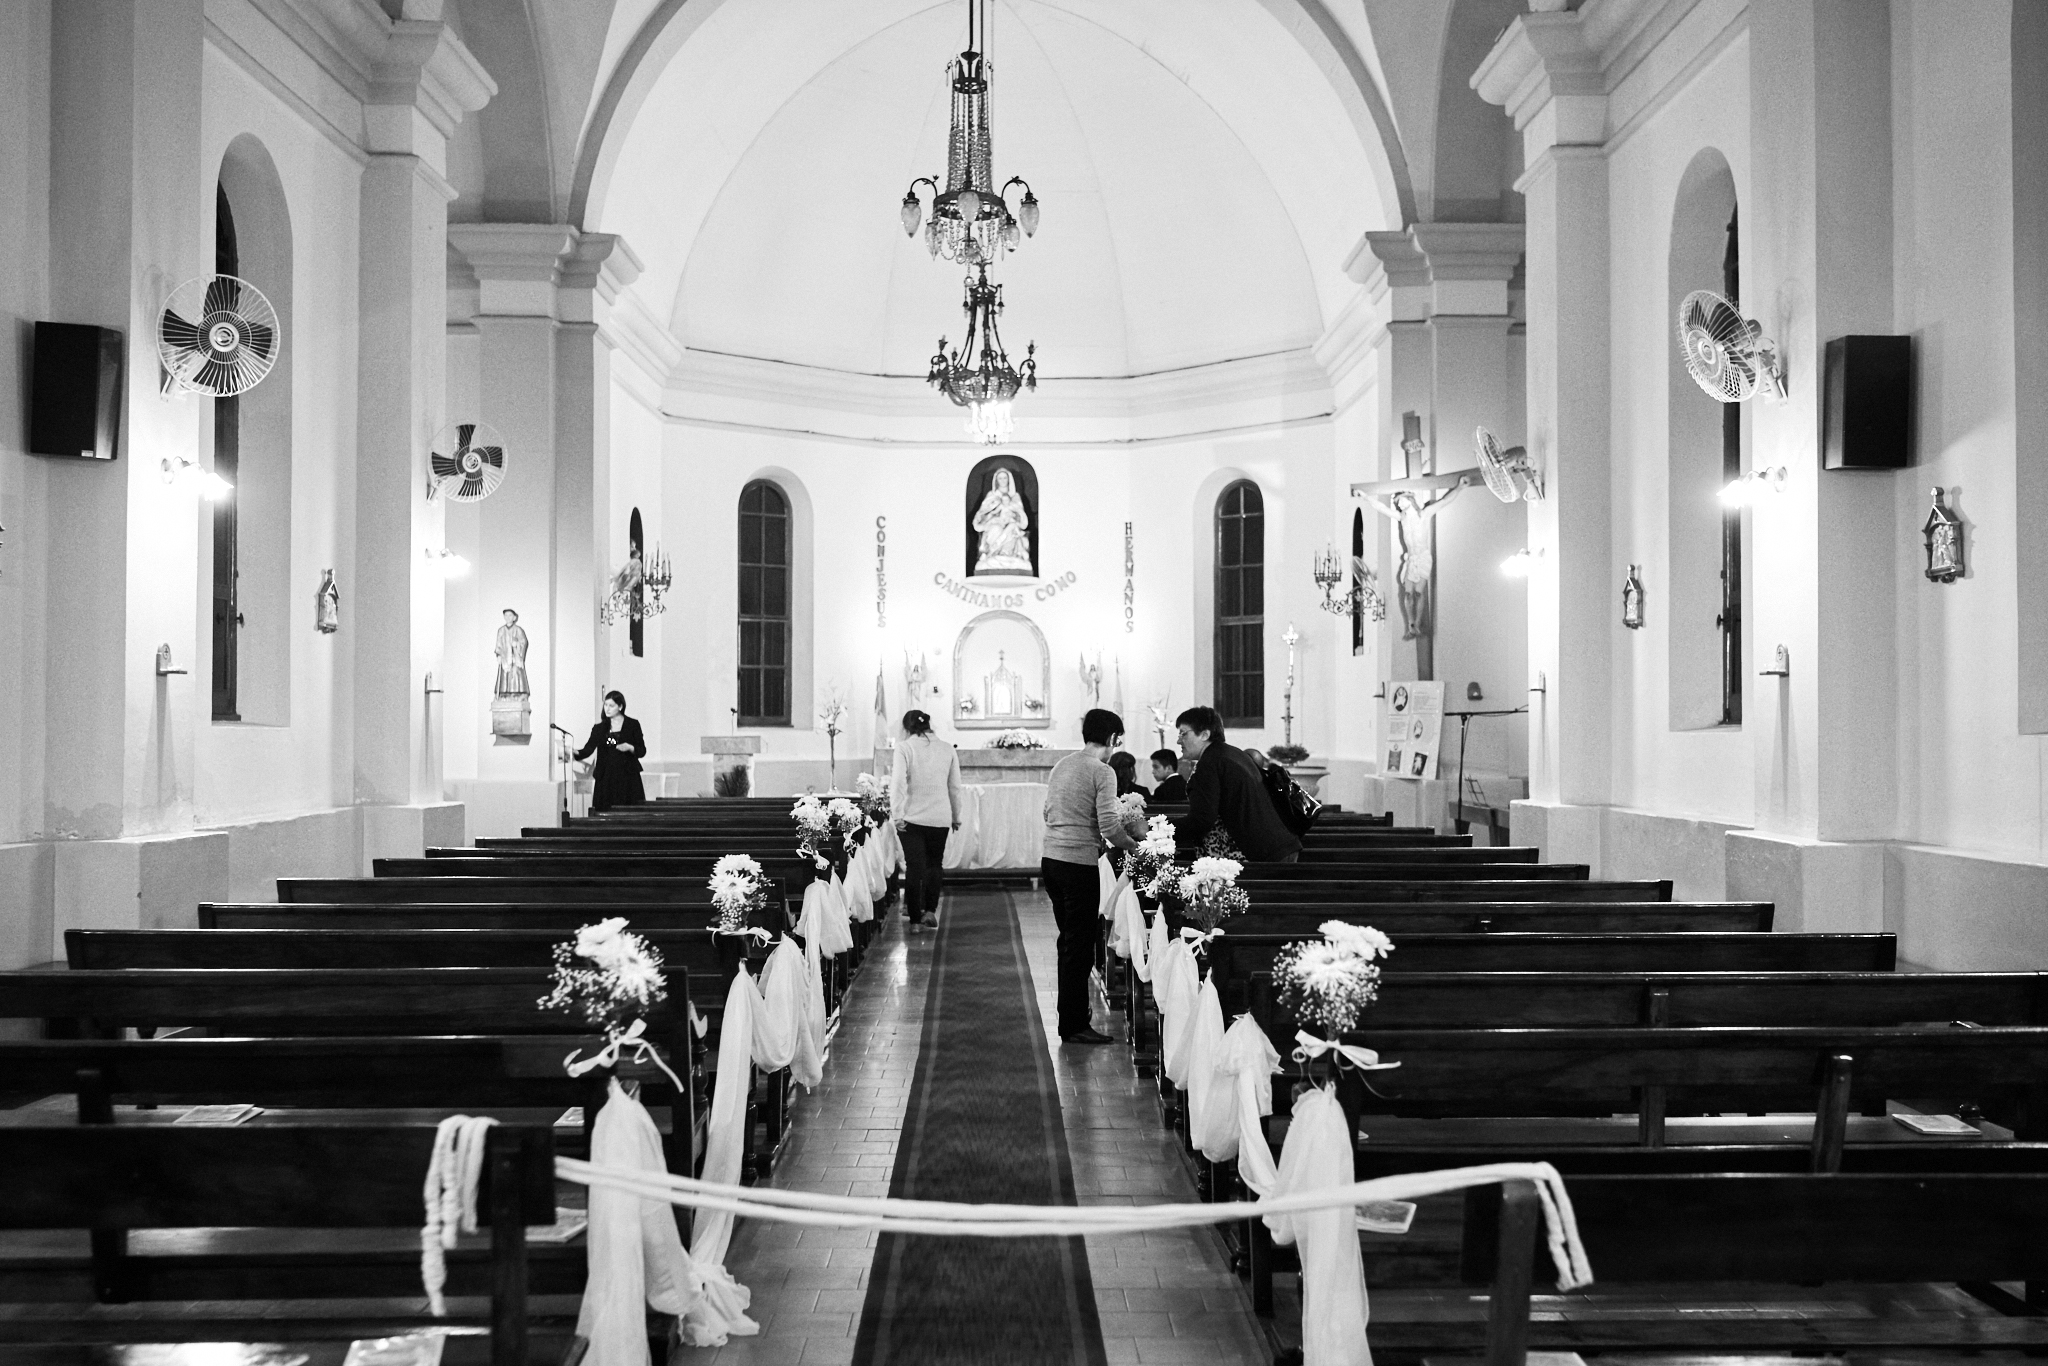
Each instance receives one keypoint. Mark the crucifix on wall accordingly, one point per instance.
(1411, 504)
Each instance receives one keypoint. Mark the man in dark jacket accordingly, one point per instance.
(1168, 787)
(1226, 790)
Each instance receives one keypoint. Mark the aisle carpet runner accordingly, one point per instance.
(983, 1125)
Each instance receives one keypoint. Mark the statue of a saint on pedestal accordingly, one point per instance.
(510, 709)
(1004, 527)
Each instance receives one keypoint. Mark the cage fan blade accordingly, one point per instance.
(471, 487)
(223, 294)
(176, 330)
(491, 455)
(260, 342)
(463, 432)
(444, 466)
(216, 377)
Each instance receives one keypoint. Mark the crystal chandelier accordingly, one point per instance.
(971, 221)
(978, 376)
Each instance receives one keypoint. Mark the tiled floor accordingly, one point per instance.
(1162, 1297)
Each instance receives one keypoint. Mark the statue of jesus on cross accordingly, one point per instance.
(1411, 504)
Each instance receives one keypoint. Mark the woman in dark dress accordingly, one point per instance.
(618, 745)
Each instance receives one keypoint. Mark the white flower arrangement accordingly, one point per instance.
(1130, 810)
(1209, 894)
(845, 817)
(739, 888)
(1153, 858)
(1325, 984)
(609, 976)
(813, 829)
(871, 792)
(1014, 739)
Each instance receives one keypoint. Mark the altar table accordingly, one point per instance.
(1002, 825)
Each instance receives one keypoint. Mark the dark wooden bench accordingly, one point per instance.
(560, 891)
(1779, 1229)
(1580, 1000)
(1380, 886)
(561, 920)
(112, 1179)
(1236, 957)
(1478, 917)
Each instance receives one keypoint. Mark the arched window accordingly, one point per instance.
(764, 605)
(1703, 625)
(227, 455)
(1241, 605)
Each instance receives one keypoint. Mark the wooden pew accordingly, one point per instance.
(560, 920)
(1237, 957)
(556, 890)
(117, 1177)
(350, 1003)
(1302, 919)
(1787, 1229)
(1376, 887)
(698, 952)
(1684, 1000)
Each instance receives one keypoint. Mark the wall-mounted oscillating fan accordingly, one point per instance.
(1727, 354)
(217, 335)
(1510, 474)
(467, 463)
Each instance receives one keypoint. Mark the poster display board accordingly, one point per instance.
(1413, 729)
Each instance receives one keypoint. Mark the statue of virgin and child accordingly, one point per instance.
(1004, 527)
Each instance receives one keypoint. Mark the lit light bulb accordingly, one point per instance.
(1518, 565)
(1736, 494)
(968, 205)
(1028, 213)
(212, 487)
(913, 212)
(451, 565)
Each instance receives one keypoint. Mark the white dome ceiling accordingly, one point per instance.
(1201, 183)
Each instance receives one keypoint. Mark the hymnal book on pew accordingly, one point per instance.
(408, 1349)
(571, 1118)
(568, 1224)
(218, 1114)
(1938, 1126)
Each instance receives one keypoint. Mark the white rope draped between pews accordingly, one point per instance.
(637, 1259)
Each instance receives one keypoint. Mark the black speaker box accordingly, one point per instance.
(1867, 408)
(74, 404)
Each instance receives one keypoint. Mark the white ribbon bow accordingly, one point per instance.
(1199, 939)
(1364, 1059)
(750, 932)
(608, 1056)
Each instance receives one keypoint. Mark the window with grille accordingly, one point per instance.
(764, 606)
(1241, 606)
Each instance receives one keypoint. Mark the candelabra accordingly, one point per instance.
(1363, 595)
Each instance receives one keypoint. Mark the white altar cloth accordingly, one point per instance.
(1002, 825)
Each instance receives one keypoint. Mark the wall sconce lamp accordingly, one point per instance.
(208, 485)
(1521, 564)
(452, 565)
(1744, 490)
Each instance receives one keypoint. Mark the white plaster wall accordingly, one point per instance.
(247, 770)
(1086, 494)
(1703, 773)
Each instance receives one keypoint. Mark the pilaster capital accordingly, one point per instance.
(1548, 75)
(422, 81)
(544, 270)
(1394, 271)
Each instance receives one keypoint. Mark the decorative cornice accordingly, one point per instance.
(415, 64)
(1348, 349)
(424, 66)
(1548, 77)
(1248, 394)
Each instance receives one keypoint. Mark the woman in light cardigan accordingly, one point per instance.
(924, 801)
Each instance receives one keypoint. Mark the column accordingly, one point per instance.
(424, 83)
(1818, 264)
(1544, 72)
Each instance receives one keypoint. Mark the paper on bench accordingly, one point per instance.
(220, 1115)
(407, 1349)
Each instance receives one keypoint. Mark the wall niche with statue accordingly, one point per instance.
(1002, 519)
(1002, 674)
